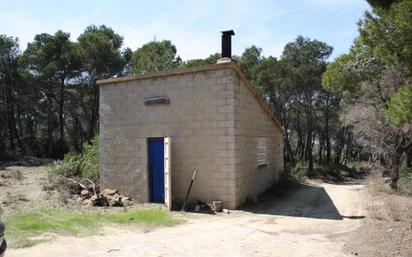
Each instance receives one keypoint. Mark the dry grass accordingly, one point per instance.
(387, 230)
(375, 211)
(394, 209)
(388, 208)
(13, 174)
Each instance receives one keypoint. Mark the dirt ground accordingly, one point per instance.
(316, 219)
(21, 187)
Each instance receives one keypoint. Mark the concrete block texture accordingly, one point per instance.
(213, 120)
(251, 122)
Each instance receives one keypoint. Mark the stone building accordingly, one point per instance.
(156, 129)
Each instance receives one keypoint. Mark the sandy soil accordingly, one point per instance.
(312, 220)
(387, 230)
(21, 188)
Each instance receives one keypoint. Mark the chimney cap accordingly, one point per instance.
(228, 32)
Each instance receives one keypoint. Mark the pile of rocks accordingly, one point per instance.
(106, 197)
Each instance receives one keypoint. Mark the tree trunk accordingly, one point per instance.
(61, 119)
(320, 149)
(309, 136)
(94, 112)
(11, 120)
(49, 126)
(288, 148)
(409, 157)
(10, 124)
(326, 129)
(396, 167)
(340, 144)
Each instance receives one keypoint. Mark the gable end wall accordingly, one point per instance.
(251, 122)
(199, 119)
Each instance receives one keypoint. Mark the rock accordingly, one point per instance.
(84, 193)
(100, 201)
(87, 202)
(108, 192)
(107, 197)
(126, 201)
(77, 199)
(115, 200)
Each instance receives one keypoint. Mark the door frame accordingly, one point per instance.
(149, 172)
(167, 170)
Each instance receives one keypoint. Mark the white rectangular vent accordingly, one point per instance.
(261, 151)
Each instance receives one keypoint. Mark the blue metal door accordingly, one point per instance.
(156, 170)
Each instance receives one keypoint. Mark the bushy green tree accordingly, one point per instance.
(53, 60)
(249, 61)
(154, 57)
(305, 61)
(375, 77)
(101, 58)
(9, 56)
(212, 59)
(400, 107)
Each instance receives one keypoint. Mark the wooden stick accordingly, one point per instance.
(188, 190)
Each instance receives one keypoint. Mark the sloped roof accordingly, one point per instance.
(229, 65)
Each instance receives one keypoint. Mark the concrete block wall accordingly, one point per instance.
(200, 119)
(252, 122)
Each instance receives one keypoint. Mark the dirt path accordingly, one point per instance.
(21, 188)
(315, 220)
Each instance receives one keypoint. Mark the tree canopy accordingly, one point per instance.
(375, 78)
(154, 57)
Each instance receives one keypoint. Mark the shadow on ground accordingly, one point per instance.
(298, 200)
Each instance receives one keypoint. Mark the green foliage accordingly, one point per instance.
(53, 57)
(100, 48)
(405, 178)
(212, 59)
(337, 77)
(9, 77)
(298, 173)
(83, 165)
(9, 51)
(22, 228)
(269, 77)
(400, 107)
(389, 33)
(154, 57)
(377, 76)
(249, 61)
(381, 3)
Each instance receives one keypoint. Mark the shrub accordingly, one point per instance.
(83, 165)
(405, 178)
(296, 173)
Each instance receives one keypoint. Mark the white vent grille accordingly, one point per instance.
(261, 153)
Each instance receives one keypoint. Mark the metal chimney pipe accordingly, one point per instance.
(227, 43)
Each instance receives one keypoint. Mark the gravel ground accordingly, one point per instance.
(316, 219)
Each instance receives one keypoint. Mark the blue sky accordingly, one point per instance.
(193, 26)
